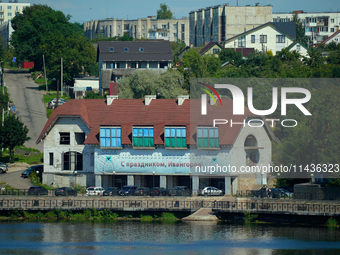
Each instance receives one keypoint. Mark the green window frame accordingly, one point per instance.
(207, 137)
(143, 137)
(175, 137)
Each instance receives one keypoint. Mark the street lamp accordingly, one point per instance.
(153, 179)
(114, 178)
(37, 177)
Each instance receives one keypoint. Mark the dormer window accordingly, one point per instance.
(141, 49)
(111, 49)
(126, 49)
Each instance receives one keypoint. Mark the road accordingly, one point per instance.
(29, 103)
(13, 178)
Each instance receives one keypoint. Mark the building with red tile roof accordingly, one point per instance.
(153, 142)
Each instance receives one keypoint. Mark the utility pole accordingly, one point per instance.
(56, 105)
(61, 83)
(45, 73)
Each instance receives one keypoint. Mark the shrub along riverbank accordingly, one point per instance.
(89, 215)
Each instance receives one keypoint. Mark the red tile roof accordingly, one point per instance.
(159, 113)
(328, 38)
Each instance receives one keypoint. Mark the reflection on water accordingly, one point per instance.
(161, 238)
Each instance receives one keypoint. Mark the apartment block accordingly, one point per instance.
(143, 28)
(318, 25)
(221, 22)
(10, 9)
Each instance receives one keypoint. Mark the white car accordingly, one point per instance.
(53, 102)
(211, 191)
(95, 191)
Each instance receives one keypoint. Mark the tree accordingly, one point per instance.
(13, 133)
(147, 82)
(164, 12)
(41, 30)
(300, 30)
(176, 48)
(195, 62)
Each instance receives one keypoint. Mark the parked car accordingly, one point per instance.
(273, 193)
(284, 192)
(112, 191)
(142, 191)
(3, 168)
(53, 102)
(65, 191)
(27, 172)
(37, 190)
(179, 191)
(94, 191)
(128, 190)
(211, 191)
(158, 191)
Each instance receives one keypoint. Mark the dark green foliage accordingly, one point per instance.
(100, 37)
(13, 133)
(93, 95)
(177, 47)
(164, 12)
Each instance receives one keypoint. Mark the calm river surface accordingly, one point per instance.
(165, 238)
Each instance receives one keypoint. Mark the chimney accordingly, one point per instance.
(181, 98)
(211, 101)
(110, 98)
(148, 99)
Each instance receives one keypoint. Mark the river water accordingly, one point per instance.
(165, 238)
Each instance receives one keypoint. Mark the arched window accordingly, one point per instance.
(252, 152)
(72, 160)
(250, 141)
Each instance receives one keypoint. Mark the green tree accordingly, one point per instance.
(196, 64)
(176, 48)
(232, 56)
(164, 12)
(300, 30)
(13, 133)
(148, 82)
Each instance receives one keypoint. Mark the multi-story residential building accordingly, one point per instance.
(6, 31)
(221, 22)
(153, 142)
(318, 25)
(10, 9)
(119, 58)
(272, 36)
(148, 28)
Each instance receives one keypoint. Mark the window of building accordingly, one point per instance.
(143, 27)
(51, 159)
(263, 38)
(9, 14)
(164, 26)
(242, 41)
(182, 37)
(280, 38)
(298, 47)
(175, 26)
(126, 49)
(332, 29)
(175, 35)
(80, 138)
(17, 8)
(183, 28)
(64, 138)
(332, 20)
(110, 137)
(143, 137)
(207, 137)
(72, 160)
(175, 137)
(253, 39)
(216, 51)
(0, 8)
(141, 49)
(9, 7)
(154, 26)
(111, 49)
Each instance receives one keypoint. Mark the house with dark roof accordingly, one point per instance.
(119, 58)
(271, 36)
(154, 142)
(212, 48)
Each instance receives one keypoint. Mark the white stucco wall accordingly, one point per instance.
(303, 51)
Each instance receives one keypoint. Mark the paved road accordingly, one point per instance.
(29, 104)
(13, 179)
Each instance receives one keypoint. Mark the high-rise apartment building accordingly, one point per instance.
(221, 22)
(149, 28)
(10, 9)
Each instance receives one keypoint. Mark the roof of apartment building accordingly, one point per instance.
(288, 28)
(127, 113)
(134, 51)
(328, 38)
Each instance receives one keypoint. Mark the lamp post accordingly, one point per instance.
(190, 182)
(37, 177)
(153, 179)
(114, 178)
